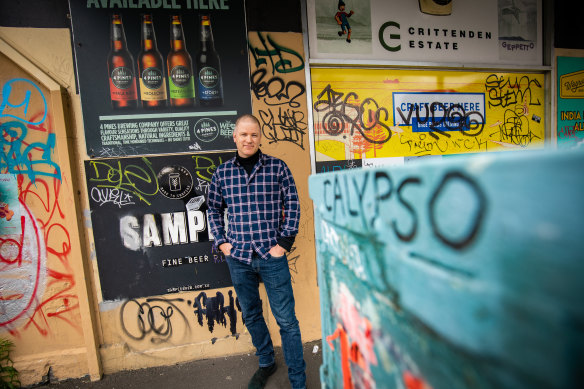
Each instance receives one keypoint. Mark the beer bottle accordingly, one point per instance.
(181, 84)
(120, 64)
(209, 83)
(151, 68)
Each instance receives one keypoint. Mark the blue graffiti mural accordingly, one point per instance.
(17, 154)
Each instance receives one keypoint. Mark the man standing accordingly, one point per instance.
(263, 211)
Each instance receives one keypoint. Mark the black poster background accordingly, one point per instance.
(126, 188)
(91, 36)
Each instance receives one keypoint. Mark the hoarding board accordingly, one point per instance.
(388, 116)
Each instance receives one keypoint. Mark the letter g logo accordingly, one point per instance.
(391, 36)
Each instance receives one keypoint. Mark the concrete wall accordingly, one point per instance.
(68, 331)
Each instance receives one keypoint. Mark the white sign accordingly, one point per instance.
(442, 31)
(443, 111)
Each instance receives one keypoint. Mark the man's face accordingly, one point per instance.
(247, 138)
(342, 8)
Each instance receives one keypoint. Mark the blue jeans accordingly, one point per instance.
(275, 275)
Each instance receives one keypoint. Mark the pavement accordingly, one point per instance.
(232, 372)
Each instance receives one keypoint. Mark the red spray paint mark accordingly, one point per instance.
(412, 381)
(58, 245)
(345, 364)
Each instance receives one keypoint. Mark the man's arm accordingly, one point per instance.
(291, 209)
(215, 213)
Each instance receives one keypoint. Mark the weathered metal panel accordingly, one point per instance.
(460, 273)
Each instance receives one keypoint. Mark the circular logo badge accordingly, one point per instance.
(209, 77)
(152, 78)
(180, 76)
(175, 182)
(206, 130)
(122, 77)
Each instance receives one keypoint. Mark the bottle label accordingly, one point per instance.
(152, 85)
(209, 83)
(122, 84)
(181, 83)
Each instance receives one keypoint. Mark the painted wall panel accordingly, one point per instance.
(40, 300)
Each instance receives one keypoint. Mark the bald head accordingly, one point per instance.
(247, 135)
(246, 117)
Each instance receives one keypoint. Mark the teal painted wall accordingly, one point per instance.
(462, 273)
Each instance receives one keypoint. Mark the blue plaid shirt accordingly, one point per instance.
(260, 207)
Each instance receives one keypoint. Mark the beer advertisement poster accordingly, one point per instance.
(149, 220)
(160, 76)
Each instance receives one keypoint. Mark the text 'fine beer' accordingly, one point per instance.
(180, 68)
(209, 82)
(151, 68)
(120, 64)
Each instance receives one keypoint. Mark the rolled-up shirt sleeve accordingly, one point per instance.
(290, 204)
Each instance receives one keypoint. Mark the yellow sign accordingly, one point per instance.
(572, 85)
(384, 113)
